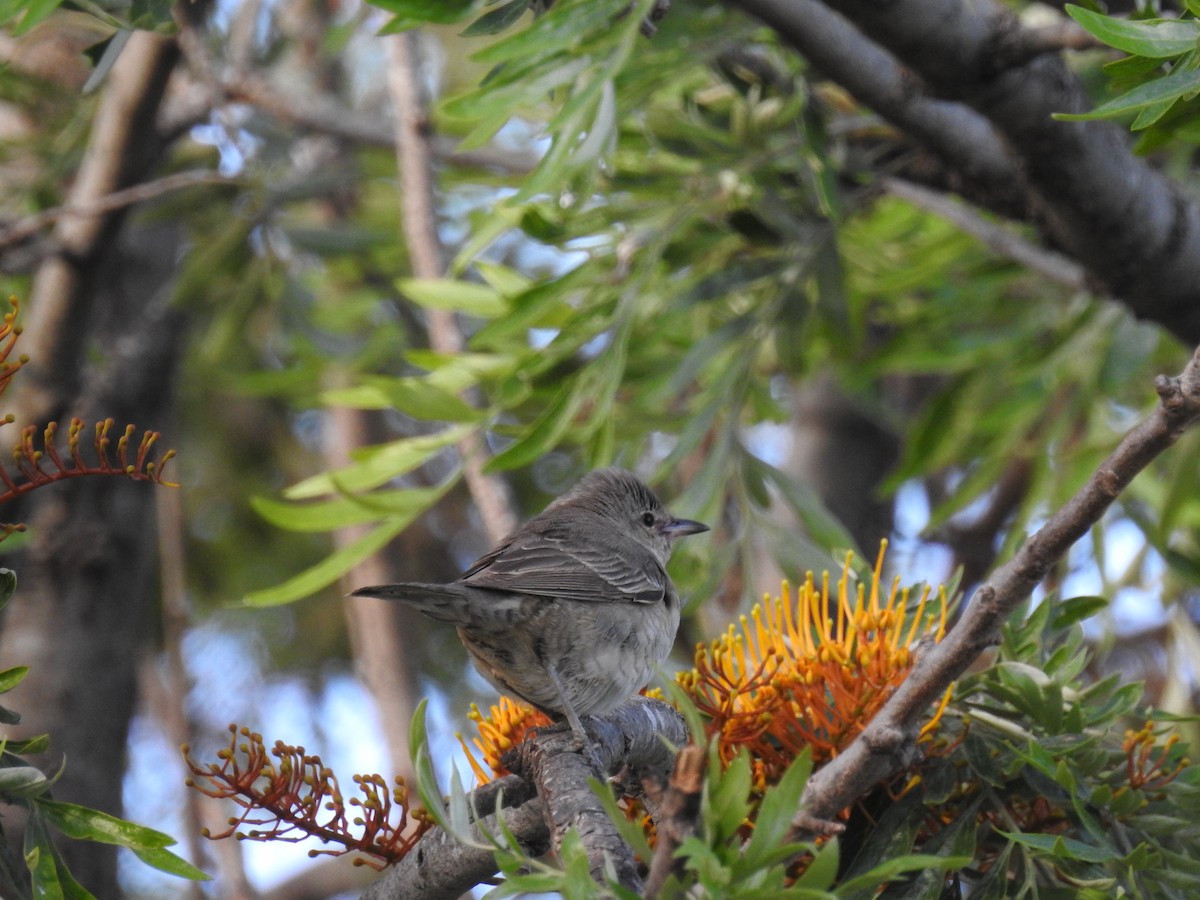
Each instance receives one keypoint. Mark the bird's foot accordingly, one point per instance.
(582, 743)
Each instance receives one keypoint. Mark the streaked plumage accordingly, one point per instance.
(573, 611)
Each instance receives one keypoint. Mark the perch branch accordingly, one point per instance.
(890, 739)
(633, 738)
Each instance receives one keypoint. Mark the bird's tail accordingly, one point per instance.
(443, 602)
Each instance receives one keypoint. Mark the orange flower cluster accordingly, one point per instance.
(810, 671)
(506, 725)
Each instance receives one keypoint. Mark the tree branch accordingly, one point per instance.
(419, 224)
(1134, 230)
(994, 236)
(889, 741)
(634, 738)
(148, 190)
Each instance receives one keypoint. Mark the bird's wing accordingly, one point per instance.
(559, 562)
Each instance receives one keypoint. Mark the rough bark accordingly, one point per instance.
(973, 69)
(85, 603)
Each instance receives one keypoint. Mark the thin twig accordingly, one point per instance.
(888, 742)
(419, 224)
(1004, 241)
(147, 190)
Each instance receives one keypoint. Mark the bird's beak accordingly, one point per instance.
(678, 528)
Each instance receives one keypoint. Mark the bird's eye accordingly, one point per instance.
(647, 519)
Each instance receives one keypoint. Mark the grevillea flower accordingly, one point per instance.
(811, 670)
(506, 725)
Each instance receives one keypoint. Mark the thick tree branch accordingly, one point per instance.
(889, 741)
(1133, 229)
(635, 739)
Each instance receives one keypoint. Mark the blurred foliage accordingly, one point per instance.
(701, 237)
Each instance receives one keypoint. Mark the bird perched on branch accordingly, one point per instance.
(573, 611)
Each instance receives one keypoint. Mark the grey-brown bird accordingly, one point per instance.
(573, 611)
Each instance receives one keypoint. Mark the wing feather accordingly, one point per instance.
(572, 561)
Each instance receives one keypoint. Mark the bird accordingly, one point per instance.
(573, 612)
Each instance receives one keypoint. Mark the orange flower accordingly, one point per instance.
(810, 672)
(505, 726)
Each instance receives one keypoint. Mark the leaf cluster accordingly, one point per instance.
(1158, 80)
(23, 785)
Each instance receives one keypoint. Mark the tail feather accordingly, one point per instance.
(443, 602)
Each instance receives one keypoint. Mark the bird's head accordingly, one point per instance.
(631, 506)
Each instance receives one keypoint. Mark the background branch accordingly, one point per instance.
(889, 742)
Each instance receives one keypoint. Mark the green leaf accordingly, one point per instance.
(38, 744)
(330, 569)
(774, 819)
(378, 464)
(418, 751)
(894, 868)
(10, 678)
(823, 869)
(8, 586)
(40, 858)
(327, 515)
(23, 781)
(725, 804)
(451, 294)
(1177, 84)
(498, 19)
(1154, 38)
(543, 435)
(28, 13)
(420, 398)
(1076, 609)
(85, 824)
(166, 861)
(1060, 847)
(411, 13)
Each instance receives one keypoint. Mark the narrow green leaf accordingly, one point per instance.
(1060, 847)
(22, 781)
(411, 13)
(420, 398)
(1178, 84)
(418, 751)
(40, 859)
(451, 294)
(330, 569)
(916, 862)
(543, 435)
(1154, 38)
(31, 13)
(379, 464)
(823, 869)
(327, 515)
(1076, 609)
(166, 861)
(563, 28)
(85, 824)
(8, 586)
(10, 678)
(38, 744)
(774, 819)
(498, 19)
